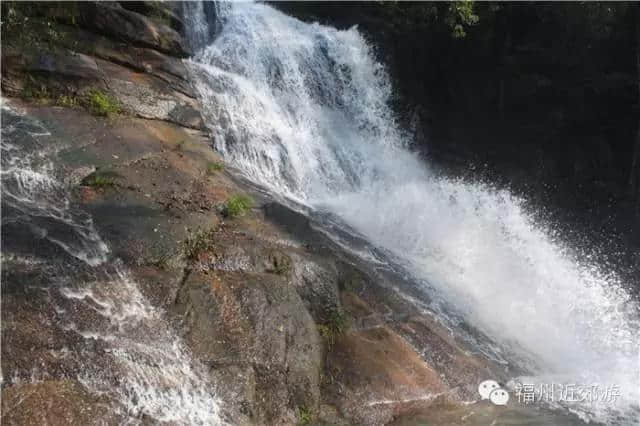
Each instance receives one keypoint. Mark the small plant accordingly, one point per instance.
(198, 242)
(305, 416)
(335, 327)
(67, 101)
(281, 264)
(102, 104)
(214, 167)
(34, 90)
(237, 206)
(99, 179)
(180, 145)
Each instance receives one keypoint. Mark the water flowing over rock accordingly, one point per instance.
(303, 110)
(97, 328)
(351, 285)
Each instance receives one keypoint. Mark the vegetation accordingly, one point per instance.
(281, 263)
(180, 145)
(237, 206)
(161, 261)
(460, 15)
(100, 179)
(335, 327)
(67, 101)
(306, 417)
(198, 242)
(102, 104)
(214, 167)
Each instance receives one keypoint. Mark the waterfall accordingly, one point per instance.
(303, 110)
(125, 349)
(203, 20)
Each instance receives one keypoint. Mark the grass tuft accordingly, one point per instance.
(306, 417)
(102, 104)
(237, 206)
(335, 327)
(99, 180)
(67, 101)
(197, 242)
(214, 167)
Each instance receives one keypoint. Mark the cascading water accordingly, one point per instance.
(119, 344)
(303, 110)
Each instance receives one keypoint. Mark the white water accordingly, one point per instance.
(303, 110)
(140, 361)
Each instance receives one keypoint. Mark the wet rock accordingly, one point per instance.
(317, 283)
(378, 372)
(151, 98)
(256, 323)
(59, 402)
(186, 115)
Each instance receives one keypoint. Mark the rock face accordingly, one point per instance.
(288, 325)
(135, 59)
(254, 330)
(56, 403)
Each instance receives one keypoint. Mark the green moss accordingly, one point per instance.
(214, 167)
(102, 104)
(237, 206)
(198, 242)
(334, 327)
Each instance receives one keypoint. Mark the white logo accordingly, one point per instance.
(491, 390)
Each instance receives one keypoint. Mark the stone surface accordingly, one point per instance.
(256, 323)
(132, 27)
(60, 402)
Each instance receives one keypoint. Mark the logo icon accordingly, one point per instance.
(491, 390)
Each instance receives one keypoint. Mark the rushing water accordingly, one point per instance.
(303, 110)
(126, 349)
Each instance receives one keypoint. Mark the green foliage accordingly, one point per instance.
(335, 327)
(452, 17)
(198, 242)
(306, 417)
(460, 15)
(35, 90)
(237, 206)
(102, 104)
(99, 179)
(180, 145)
(67, 101)
(214, 167)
